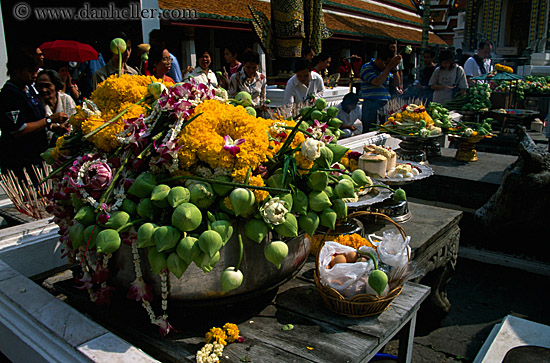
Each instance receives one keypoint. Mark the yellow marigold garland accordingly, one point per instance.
(228, 334)
(240, 175)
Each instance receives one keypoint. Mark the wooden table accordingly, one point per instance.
(318, 334)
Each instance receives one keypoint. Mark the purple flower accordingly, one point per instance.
(166, 152)
(98, 176)
(232, 146)
(317, 130)
(139, 291)
(164, 326)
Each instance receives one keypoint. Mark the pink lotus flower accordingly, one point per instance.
(232, 146)
(98, 176)
(139, 291)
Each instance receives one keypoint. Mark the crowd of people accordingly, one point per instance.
(38, 99)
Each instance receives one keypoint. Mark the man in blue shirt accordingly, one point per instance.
(375, 83)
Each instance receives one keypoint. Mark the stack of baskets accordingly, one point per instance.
(361, 305)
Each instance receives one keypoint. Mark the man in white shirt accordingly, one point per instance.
(303, 85)
(350, 115)
(480, 63)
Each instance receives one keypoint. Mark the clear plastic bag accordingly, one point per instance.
(394, 250)
(349, 279)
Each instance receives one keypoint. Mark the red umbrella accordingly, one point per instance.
(68, 51)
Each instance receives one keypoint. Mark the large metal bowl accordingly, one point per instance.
(198, 288)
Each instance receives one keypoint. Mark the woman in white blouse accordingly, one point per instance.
(203, 73)
(303, 85)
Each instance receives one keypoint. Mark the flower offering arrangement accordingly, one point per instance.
(174, 171)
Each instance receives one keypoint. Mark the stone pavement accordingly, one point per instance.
(481, 296)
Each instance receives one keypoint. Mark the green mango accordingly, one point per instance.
(143, 185)
(89, 238)
(146, 209)
(328, 218)
(85, 215)
(76, 234)
(275, 252)
(289, 228)
(399, 195)
(345, 189)
(177, 196)
(231, 279)
(220, 189)
(256, 230)
(340, 207)
(241, 200)
(210, 242)
(188, 249)
(378, 280)
(300, 202)
(224, 228)
(186, 217)
(176, 265)
(318, 201)
(117, 220)
(108, 241)
(129, 207)
(202, 195)
(157, 260)
(145, 235)
(159, 195)
(166, 238)
(338, 151)
(309, 222)
(318, 180)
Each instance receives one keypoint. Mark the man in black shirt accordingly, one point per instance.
(428, 58)
(22, 117)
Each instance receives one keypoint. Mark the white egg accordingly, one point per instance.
(415, 172)
(408, 175)
(398, 176)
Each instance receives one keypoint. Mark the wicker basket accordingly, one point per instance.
(361, 305)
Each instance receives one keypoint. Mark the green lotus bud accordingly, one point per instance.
(129, 206)
(251, 111)
(300, 202)
(224, 228)
(188, 249)
(340, 207)
(326, 157)
(143, 185)
(318, 180)
(108, 241)
(335, 122)
(231, 279)
(338, 151)
(77, 202)
(76, 234)
(89, 238)
(289, 228)
(288, 199)
(275, 252)
(157, 260)
(222, 190)
(256, 230)
(320, 103)
(117, 220)
(47, 156)
(202, 195)
(328, 218)
(156, 89)
(205, 262)
(318, 201)
(360, 178)
(345, 189)
(346, 176)
(241, 200)
(309, 222)
(146, 209)
(275, 181)
(85, 216)
(117, 44)
(399, 195)
(177, 196)
(317, 115)
(210, 242)
(186, 217)
(332, 111)
(145, 235)
(329, 191)
(378, 280)
(305, 110)
(244, 98)
(159, 195)
(166, 238)
(176, 265)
